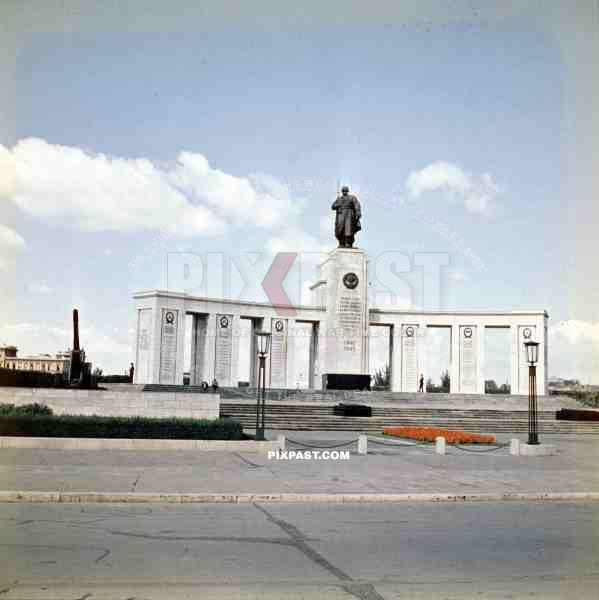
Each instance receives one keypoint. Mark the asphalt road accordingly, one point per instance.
(275, 551)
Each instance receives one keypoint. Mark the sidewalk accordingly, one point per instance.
(385, 470)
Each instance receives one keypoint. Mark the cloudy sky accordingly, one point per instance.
(468, 133)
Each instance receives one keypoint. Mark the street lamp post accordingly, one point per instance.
(263, 347)
(532, 354)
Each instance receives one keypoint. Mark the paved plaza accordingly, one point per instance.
(386, 469)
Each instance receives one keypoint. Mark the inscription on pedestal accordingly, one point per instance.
(168, 346)
(278, 353)
(345, 331)
(409, 358)
(223, 353)
(349, 314)
(468, 359)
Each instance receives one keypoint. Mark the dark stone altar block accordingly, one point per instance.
(352, 410)
(345, 381)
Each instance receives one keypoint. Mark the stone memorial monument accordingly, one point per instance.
(337, 319)
(343, 277)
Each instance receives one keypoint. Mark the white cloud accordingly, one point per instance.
(10, 239)
(96, 192)
(40, 287)
(574, 350)
(477, 193)
(11, 243)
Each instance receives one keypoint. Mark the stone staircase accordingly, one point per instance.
(282, 416)
(181, 389)
(383, 397)
(287, 409)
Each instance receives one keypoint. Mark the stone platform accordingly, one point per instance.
(120, 400)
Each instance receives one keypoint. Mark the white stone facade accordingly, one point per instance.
(216, 335)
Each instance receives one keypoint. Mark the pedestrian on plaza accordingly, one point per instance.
(214, 385)
(131, 373)
(421, 383)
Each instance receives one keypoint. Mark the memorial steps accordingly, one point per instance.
(320, 417)
(313, 410)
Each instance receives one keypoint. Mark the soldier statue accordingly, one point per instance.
(347, 221)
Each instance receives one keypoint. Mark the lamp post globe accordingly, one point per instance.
(532, 352)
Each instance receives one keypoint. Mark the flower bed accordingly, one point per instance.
(429, 434)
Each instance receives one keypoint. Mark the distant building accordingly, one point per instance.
(44, 363)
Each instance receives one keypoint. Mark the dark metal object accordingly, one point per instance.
(260, 410)
(532, 354)
(345, 381)
(352, 410)
(76, 355)
(263, 345)
(347, 220)
(533, 421)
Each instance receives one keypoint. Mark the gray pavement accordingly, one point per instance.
(384, 470)
(372, 552)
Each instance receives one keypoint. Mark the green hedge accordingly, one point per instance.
(79, 426)
(24, 409)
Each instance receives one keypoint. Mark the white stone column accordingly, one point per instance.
(525, 331)
(543, 354)
(235, 350)
(276, 372)
(155, 335)
(170, 345)
(315, 364)
(180, 358)
(209, 348)
(409, 357)
(480, 359)
(395, 360)
(291, 352)
(514, 370)
(143, 346)
(195, 366)
(469, 359)
(223, 349)
(454, 381)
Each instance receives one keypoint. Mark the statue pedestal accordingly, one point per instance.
(342, 289)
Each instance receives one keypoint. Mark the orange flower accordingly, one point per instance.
(429, 434)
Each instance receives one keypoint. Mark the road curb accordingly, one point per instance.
(209, 498)
(58, 443)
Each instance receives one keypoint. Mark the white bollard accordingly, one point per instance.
(440, 445)
(515, 447)
(362, 444)
(281, 441)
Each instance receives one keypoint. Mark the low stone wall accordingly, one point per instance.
(138, 444)
(117, 402)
